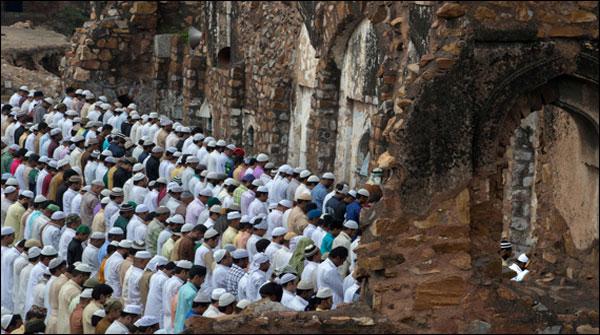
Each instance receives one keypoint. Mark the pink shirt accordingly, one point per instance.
(193, 211)
(14, 165)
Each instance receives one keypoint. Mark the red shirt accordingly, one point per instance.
(14, 165)
(46, 184)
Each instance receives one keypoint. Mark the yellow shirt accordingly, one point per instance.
(110, 178)
(98, 222)
(229, 236)
(69, 291)
(177, 172)
(167, 248)
(13, 219)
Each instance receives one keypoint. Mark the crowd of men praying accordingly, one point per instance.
(117, 220)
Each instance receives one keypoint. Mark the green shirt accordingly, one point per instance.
(6, 161)
(237, 194)
(122, 223)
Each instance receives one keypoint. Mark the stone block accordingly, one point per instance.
(519, 224)
(90, 64)
(105, 55)
(450, 11)
(440, 292)
(112, 43)
(461, 260)
(452, 246)
(478, 327)
(144, 7)
(580, 16)
(81, 74)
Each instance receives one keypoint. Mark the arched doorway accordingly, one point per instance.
(305, 83)
(357, 103)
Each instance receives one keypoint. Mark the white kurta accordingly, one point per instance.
(9, 255)
(111, 273)
(170, 289)
(219, 276)
(133, 288)
(309, 273)
(37, 272)
(117, 328)
(281, 258)
(90, 257)
(51, 236)
(257, 207)
(256, 280)
(154, 301)
(65, 239)
(328, 276)
(289, 300)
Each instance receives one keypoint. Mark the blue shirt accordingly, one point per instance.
(185, 298)
(353, 211)
(102, 251)
(116, 150)
(318, 195)
(326, 243)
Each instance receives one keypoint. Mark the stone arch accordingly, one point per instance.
(304, 87)
(357, 100)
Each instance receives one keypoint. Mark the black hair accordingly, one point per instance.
(100, 290)
(169, 266)
(310, 206)
(95, 320)
(202, 228)
(197, 270)
(340, 251)
(35, 326)
(110, 249)
(262, 244)
(272, 288)
(70, 90)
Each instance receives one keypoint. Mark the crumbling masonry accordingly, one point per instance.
(437, 94)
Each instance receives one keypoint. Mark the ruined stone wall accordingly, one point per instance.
(445, 90)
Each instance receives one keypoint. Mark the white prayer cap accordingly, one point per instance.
(261, 225)
(217, 293)
(97, 235)
(272, 205)
(132, 106)
(226, 299)
(184, 264)
(153, 115)
(523, 258)
(58, 215)
(100, 313)
(82, 267)
(141, 208)
(44, 159)
(103, 98)
(260, 258)
(313, 179)
(304, 174)
(242, 304)
(206, 192)
(114, 244)
(33, 252)
(133, 309)
(233, 215)
(157, 150)
(192, 159)
(137, 167)
(7, 230)
(55, 131)
(71, 112)
(305, 196)
(24, 88)
(310, 250)
(162, 210)
(202, 297)
(363, 192)
(198, 137)
(49, 251)
(79, 91)
(146, 321)
(106, 153)
(110, 159)
(286, 278)
(138, 176)
(328, 175)
(12, 181)
(139, 245)
(143, 255)
(55, 262)
(6, 319)
(212, 143)
(9, 189)
(262, 189)
(215, 209)
(187, 130)
(172, 150)
(105, 200)
(352, 193)
(305, 285)
(351, 224)
(278, 231)
(212, 175)
(77, 138)
(105, 106)
(262, 157)
(62, 162)
(239, 254)
(98, 182)
(324, 292)
(177, 219)
(49, 100)
(187, 228)
(39, 199)
(135, 116)
(221, 143)
(283, 168)
(86, 294)
(219, 255)
(210, 233)
(245, 218)
(116, 231)
(165, 122)
(231, 147)
(126, 244)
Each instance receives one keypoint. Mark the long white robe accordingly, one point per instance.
(65, 239)
(170, 289)
(111, 273)
(9, 255)
(37, 272)
(154, 301)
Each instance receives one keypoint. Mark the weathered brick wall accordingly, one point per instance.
(442, 111)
